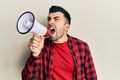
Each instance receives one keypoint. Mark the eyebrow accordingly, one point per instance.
(53, 17)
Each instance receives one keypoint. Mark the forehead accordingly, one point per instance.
(54, 14)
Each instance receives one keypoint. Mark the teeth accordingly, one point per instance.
(51, 28)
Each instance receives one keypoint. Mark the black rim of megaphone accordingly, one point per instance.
(19, 19)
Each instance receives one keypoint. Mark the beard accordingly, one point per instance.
(56, 37)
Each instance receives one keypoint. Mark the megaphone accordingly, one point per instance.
(27, 23)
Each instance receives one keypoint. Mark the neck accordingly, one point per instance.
(62, 39)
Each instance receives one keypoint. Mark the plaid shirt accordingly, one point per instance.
(40, 68)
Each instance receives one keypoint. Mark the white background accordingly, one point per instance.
(95, 21)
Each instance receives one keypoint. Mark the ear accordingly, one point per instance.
(67, 26)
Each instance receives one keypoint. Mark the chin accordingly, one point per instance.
(53, 38)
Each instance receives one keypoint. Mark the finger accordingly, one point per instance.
(36, 35)
(34, 49)
(42, 38)
(36, 39)
(35, 42)
(35, 45)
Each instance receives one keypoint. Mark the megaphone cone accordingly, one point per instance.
(27, 23)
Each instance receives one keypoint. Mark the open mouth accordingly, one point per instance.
(52, 30)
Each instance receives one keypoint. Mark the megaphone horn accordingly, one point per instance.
(27, 23)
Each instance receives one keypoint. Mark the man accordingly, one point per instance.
(61, 56)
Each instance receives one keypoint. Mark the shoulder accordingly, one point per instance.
(77, 41)
(79, 44)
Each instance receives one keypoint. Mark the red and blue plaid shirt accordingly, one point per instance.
(40, 68)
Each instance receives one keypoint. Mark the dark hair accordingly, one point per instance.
(60, 9)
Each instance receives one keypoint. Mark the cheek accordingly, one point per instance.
(60, 27)
(61, 30)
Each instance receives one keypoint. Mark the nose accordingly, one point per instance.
(51, 22)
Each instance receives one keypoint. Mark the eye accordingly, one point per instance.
(48, 18)
(56, 19)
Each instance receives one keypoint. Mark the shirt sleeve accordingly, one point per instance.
(32, 68)
(90, 72)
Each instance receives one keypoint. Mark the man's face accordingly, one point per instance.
(57, 25)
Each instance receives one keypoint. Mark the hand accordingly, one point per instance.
(36, 43)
